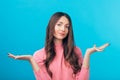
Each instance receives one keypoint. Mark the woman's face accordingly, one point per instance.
(61, 28)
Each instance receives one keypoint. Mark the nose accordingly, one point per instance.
(62, 28)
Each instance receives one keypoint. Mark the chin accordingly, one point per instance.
(61, 37)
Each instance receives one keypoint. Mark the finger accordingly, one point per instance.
(104, 46)
(97, 49)
(11, 55)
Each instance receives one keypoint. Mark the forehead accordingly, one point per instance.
(64, 20)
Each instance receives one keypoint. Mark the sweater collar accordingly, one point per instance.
(58, 45)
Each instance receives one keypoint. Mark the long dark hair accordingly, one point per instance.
(68, 44)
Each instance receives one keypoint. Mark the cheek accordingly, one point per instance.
(67, 31)
(55, 30)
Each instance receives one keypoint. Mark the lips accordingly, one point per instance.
(61, 33)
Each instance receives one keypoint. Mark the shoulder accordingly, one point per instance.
(78, 53)
(77, 50)
(42, 50)
(39, 55)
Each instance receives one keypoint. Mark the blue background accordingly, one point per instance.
(23, 28)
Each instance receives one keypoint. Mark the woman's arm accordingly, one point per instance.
(26, 57)
(89, 51)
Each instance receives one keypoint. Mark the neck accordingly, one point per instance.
(56, 41)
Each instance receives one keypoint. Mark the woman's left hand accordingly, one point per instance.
(97, 49)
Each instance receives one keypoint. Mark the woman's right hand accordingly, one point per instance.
(20, 57)
(26, 57)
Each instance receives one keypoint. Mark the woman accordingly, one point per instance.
(60, 59)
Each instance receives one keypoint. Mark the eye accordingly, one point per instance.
(59, 24)
(67, 26)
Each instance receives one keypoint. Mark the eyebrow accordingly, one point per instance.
(62, 23)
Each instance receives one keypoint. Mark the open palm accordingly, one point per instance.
(21, 57)
(95, 49)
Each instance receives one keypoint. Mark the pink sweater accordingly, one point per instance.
(59, 68)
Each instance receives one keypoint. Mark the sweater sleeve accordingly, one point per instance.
(39, 57)
(84, 72)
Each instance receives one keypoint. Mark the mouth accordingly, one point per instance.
(62, 34)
